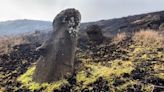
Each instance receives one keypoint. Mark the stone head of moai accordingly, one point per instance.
(70, 19)
(94, 33)
(58, 60)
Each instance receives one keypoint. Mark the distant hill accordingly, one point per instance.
(131, 23)
(112, 26)
(23, 26)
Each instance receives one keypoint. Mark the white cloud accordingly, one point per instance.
(91, 10)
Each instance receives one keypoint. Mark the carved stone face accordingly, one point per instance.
(70, 18)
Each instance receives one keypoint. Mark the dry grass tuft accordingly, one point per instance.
(148, 38)
(7, 42)
(119, 37)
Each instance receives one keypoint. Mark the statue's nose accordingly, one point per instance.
(72, 21)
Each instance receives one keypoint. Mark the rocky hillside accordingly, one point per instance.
(153, 20)
(119, 64)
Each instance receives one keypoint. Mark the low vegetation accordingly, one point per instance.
(26, 80)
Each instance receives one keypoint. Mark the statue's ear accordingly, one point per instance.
(59, 21)
(63, 19)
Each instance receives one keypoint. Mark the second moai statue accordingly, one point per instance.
(95, 34)
(59, 51)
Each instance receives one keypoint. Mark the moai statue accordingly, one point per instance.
(94, 33)
(59, 51)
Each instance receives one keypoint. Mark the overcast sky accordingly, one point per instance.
(91, 10)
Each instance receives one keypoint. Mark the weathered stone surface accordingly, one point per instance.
(59, 51)
(95, 33)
